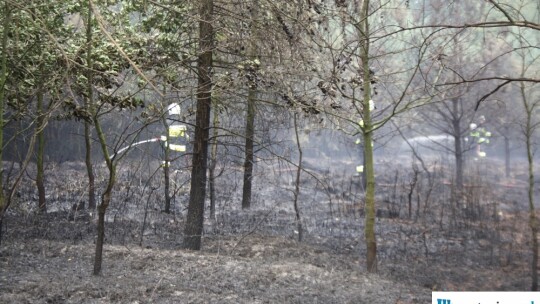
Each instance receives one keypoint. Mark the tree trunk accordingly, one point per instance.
(213, 163)
(297, 184)
(102, 209)
(507, 156)
(458, 155)
(107, 194)
(458, 149)
(88, 103)
(40, 183)
(369, 233)
(248, 161)
(3, 77)
(412, 185)
(533, 221)
(40, 126)
(89, 167)
(371, 241)
(195, 217)
(105, 197)
(250, 115)
(166, 168)
(363, 175)
(167, 177)
(98, 256)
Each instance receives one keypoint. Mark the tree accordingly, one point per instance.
(370, 80)
(40, 123)
(166, 166)
(40, 182)
(29, 74)
(501, 15)
(299, 169)
(195, 217)
(3, 77)
(244, 64)
(367, 133)
(89, 100)
(213, 159)
(507, 29)
(36, 68)
(111, 166)
(528, 93)
(529, 129)
(505, 122)
(458, 53)
(45, 70)
(251, 70)
(452, 117)
(106, 59)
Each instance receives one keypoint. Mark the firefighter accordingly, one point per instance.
(480, 136)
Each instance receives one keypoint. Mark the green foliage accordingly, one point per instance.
(33, 51)
(48, 52)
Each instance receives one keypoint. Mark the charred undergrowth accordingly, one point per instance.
(448, 231)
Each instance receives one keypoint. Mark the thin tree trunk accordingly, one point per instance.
(458, 154)
(3, 77)
(364, 172)
(87, 128)
(297, 184)
(458, 149)
(371, 241)
(195, 217)
(98, 255)
(105, 197)
(250, 116)
(166, 168)
(507, 156)
(412, 185)
(248, 161)
(40, 183)
(40, 126)
(111, 167)
(89, 167)
(102, 209)
(533, 221)
(213, 163)
(369, 232)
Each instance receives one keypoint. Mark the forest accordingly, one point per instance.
(267, 151)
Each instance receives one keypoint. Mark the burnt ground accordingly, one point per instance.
(479, 243)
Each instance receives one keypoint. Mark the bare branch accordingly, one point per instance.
(488, 24)
(502, 10)
(491, 93)
(509, 79)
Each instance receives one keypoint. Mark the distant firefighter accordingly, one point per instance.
(480, 136)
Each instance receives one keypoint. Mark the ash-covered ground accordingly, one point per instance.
(430, 237)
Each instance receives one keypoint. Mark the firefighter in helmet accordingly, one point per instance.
(480, 136)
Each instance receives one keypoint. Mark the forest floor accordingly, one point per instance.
(236, 269)
(253, 256)
(49, 259)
